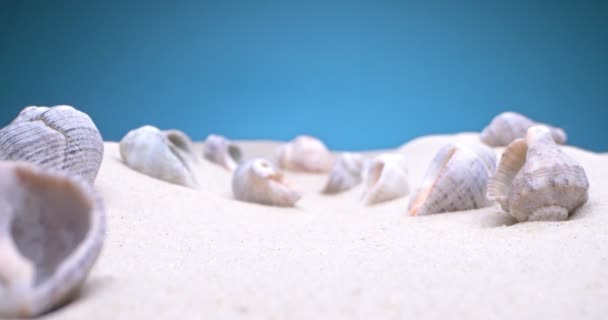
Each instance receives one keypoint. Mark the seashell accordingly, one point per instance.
(385, 178)
(60, 138)
(222, 151)
(305, 154)
(455, 180)
(258, 180)
(509, 126)
(536, 180)
(165, 155)
(52, 228)
(345, 174)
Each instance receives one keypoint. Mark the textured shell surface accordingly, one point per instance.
(345, 174)
(508, 126)
(305, 154)
(218, 149)
(258, 180)
(385, 178)
(455, 180)
(536, 180)
(52, 228)
(154, 152)
(60, 137)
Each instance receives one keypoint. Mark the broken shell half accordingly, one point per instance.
(51, 232)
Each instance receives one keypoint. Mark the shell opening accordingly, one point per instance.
(435, 169)
(235, 153)
(50, 222)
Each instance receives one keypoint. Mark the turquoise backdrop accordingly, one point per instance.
(358, 74)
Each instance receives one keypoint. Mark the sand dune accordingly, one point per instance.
(176, 253)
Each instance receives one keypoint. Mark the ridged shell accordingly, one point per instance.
(385, 178)
(52, 227)
(508, 126)
(345, 174)
(305, 154)
(222, 151)
(155, 153)
(536, 180)
(60, 138)
(455, 180)
(259, 181)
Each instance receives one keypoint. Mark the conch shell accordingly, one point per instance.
(536, 180)
(385, 178)
(165, 155)
(509, 126)
(222, 151)
(305, 154)
(258, 180)
(60, 137)
(345, 174)
(52, 228)
(455, 180)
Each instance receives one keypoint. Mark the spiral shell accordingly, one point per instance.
(345, 174)
(305, 154)
(52, 227)
(385, 178)
(165, 155)
(259, 181)
(222, 151)
(536, 180)
(455, 180)
(508, 126)
(60, 138)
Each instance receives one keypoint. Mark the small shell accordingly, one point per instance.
(52, 227)
(346, 173)
(60, 138)
(165, 155)
(258, 180)
(222, 151)
(508, 126)
(536, 180)
(305, 154)
(455, 180)
(385, 178)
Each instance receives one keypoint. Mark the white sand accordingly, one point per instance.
(176, 253)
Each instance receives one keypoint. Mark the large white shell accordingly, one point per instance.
(258, 180)
(164, 155)
(345, 174)
(305, 154)
(455, 180)
(536, 180)
(385, 178)
(222, 151)
(60, 138)
(508, 126)
(52, 227)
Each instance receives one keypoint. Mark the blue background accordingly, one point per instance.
(360, 75)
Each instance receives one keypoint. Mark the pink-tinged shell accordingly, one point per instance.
(536, 180)
(508, 126)
(305, 154)
(60, 138)
(258, 180)
(385, 178)
(52, 227)
(345, 174)
(222, 151)
(455, 180)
